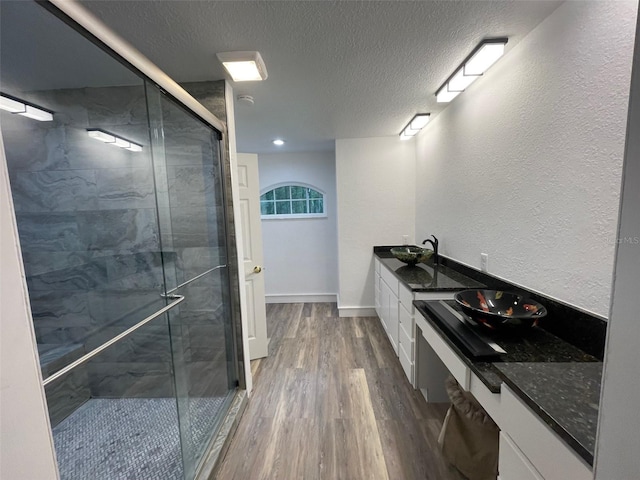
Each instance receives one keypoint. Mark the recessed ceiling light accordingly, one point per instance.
(279, 142)
(244, 66)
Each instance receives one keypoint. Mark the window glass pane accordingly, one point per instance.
(282, 193)
(299, 206)
(292, 200)
(267, 208)
(283, 208)
(298, 192)
(316, 206)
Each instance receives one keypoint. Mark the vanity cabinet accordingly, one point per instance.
(539, 446)
(529, 449)
(394, 306)
(387, 302)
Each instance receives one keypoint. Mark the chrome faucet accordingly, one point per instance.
(434, 244)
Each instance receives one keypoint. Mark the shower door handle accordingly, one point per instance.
(176, 300)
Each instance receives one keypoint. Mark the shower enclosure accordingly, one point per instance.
(120, 200)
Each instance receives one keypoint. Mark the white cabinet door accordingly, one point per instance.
(405, 341)
(546, 451)
(512, 463)
(393, 323)
(389, 313)
(389, 303)
(378, 303)
(385, 298)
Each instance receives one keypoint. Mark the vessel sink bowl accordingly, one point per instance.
(412, 255)
(496, 308)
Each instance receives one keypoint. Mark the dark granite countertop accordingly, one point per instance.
(534, 351)
(425, 277)
(564, 395)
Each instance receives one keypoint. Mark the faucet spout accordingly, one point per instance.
(434, 244)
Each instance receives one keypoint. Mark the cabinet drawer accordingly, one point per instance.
(553, 458)
(453, 363)
(406, 339)
(489, 401)
(406, 298)
(390, 279)
(407, 364)
(512, 464)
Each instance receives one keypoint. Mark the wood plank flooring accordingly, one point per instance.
(331, 401)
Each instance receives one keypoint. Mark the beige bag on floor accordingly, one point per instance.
(469, 437)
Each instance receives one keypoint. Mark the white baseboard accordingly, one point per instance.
(301, 298)
(356, 311)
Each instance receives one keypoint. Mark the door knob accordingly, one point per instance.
(257, 269)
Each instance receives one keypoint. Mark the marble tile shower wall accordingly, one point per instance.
(90, 238)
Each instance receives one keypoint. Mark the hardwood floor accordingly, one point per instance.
(331, 402)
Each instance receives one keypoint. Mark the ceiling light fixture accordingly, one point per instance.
(481, 58)
(110, 138)
(278, 142)
(416, 124)
(244, 66)
(15, 105)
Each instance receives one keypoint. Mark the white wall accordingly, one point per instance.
(376, 206)
(26, 445)
(618, 441)
(300, 255)
(526, 164)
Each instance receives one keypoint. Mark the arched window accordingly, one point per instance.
(292, 200)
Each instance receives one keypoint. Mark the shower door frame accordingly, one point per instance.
(92, 28)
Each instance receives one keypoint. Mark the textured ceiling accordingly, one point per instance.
(336, 69)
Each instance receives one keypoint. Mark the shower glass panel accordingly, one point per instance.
(189, 164)
(119, 205)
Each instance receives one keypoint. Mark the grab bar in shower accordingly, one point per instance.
(166, 295)
(177, 299)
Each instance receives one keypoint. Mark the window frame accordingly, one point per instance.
(293, 216)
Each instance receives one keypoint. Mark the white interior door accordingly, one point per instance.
(253, 257)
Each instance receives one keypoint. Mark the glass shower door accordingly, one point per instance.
(193, 235)
(87, 219)
(119, 206)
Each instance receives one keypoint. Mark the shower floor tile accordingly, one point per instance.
(129, 438)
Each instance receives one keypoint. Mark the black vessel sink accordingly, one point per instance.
(496, 308)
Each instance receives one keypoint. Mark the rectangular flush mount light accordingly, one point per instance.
(244, 66)
(481, 58)
(15, 105)
(416, 124)
(112, 139)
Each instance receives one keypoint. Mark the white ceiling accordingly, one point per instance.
(341, 69)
